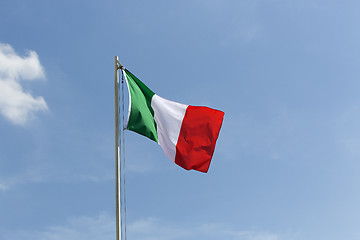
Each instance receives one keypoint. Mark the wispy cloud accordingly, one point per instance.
(153, 228)
(81, 228)
(253, 235)
(103, 227)
(40, 174)
(17, 105)
(6, 183)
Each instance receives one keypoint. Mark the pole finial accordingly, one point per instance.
(118, 64)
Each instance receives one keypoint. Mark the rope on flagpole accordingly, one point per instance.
(117, 152)
(123, 147)
(120, 164)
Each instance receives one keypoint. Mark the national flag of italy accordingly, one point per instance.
(187, 134)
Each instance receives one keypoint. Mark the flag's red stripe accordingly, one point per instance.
(198, 134)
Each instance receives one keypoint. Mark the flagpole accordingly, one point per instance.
(117, 150)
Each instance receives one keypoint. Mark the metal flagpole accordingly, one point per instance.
(117, 151)
(120, 198)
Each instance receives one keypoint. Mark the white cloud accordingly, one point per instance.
(17, 105)
(103, 227)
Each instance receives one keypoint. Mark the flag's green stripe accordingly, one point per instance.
(141, 118)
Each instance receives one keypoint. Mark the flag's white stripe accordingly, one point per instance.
(168, 116)
(129, 109)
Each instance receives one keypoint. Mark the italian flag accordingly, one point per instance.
(187, 134)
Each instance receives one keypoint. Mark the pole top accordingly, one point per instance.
(118, 64)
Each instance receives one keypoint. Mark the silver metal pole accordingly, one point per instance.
(117, 149)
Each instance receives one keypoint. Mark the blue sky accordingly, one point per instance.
(284, 72)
